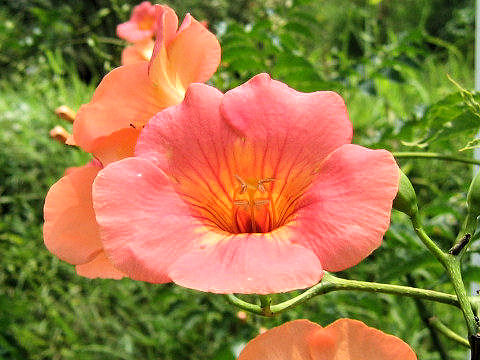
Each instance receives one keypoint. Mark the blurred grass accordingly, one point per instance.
(47, 312)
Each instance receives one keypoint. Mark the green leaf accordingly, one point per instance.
(475, 143)
(224, 354)
(468, 98)
(456, 113)
(298, 28)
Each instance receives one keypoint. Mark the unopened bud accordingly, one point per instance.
(406, 199)
(60, 134)
(65, 113)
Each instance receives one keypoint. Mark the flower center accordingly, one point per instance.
(244, 187)
(253, 208)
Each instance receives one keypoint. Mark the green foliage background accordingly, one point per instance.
(389, 60)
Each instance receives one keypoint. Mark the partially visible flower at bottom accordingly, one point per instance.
(345, 339)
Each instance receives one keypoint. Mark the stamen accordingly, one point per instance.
(262, 202)
(243, 184)
(264, 181)
(244, 203)
(252, 204)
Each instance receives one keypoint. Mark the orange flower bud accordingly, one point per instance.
(60, 134)
(65, 113)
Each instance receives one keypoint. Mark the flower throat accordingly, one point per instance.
(253, 210)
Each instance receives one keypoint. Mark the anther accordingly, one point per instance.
(260, 183)
(261, 202)
(244, 203)
(243, 184)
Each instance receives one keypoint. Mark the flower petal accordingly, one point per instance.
(100, 267)
(137, 53)
(347, 339)
(70, 230)
(131, 55)
(144, 224)
(194, 53)
(132, 33)
(285, 342)
(191, 54)
(141, 25)
(307, 125)
(346, 211)
(125, 97)
(290, 134)
(116, 146)
(167, 23)
(192, 144)
(248, 263)
(187, 130)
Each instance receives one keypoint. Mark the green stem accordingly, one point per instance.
(239, 303)
(429, 243)
(332, 283)
(451, 263)
(265, 301)
(455, 275)
(447, 332)
(431, 155)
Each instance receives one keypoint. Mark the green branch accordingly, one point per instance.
(429, 243)
(265, 301)
(451, 263)
(431, 155)
(447, 332)
(239, 303)
(332, 283)
(455, 275)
